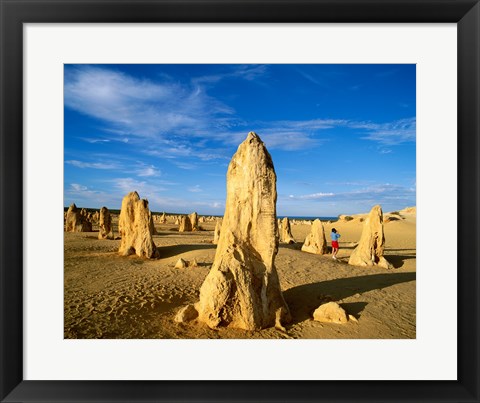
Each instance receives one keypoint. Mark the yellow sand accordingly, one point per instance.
(109, 296)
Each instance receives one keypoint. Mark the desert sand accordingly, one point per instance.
(111, 296)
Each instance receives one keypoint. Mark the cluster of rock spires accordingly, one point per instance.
(188, 223)
(77, 220)
(242, 289)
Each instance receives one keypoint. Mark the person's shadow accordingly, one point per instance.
(304, 299)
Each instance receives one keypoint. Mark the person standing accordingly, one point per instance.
(334, 235)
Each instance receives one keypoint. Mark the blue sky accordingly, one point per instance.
(342, 137)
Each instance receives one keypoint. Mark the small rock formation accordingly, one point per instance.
(409, 210)
(163, 218)
(242, 289)
(71, 218)
(216, 233)
(181, 264)
(315, 242)
(105, 228)
(286, 233)
(194, 221)
(135, 228)
(76, 221)
(185, 224)
(186, 313)
(369, 251)
(330, 312)
(96, 216)
(184, 264)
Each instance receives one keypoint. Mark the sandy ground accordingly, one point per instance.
(109, 296)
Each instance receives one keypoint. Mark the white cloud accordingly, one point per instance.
(148, 171)
(380, 193)
(77, 187)
(185, 165)
(94, 140)
(139, 107)
(93, 165)
(143, 188)
(195, 189)
(245, 72)
(313, 196)
(177, 119)
(392, 133)
(86, 197)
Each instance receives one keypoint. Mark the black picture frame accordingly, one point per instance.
(14, 13)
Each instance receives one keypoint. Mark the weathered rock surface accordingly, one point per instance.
(163, 218)
(105, 228)
(369, 251)
(315, 242)
(185, 224)
(216, 233)
(242, 289)
(286, 232)
(181, 264)
(186, 314)
(96, 216)
(194, 221)
(76, 221)
(152, 224)
(134, 226)
(330, 312)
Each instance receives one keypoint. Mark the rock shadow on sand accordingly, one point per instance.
(397, 261)
(354, 308)
(174, 250)
(304, 299)
(292, 246)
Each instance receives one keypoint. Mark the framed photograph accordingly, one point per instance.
(358, 103)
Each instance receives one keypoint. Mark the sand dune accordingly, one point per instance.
(110, 296)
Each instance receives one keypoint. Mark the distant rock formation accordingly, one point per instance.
(286, 233)
(409, 210)
(163, 219)
(152, 224)
(369, 251)
(242, 289)
(96, 216)
(194, 221)
(315, 242)
(76, 221)
(105, 228)
(185, 224)
(135, 228)
(73, 215)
